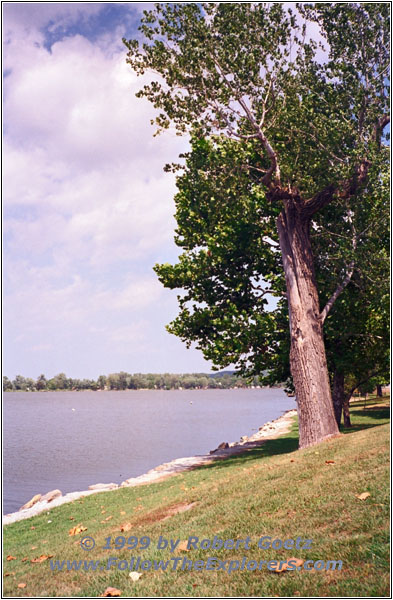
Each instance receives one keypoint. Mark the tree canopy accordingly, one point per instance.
(287, 133)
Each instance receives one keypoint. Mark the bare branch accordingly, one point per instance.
(340, 288)
(350, 268)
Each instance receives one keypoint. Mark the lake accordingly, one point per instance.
(70, 440)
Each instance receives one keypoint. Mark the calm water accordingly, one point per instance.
(111, 436)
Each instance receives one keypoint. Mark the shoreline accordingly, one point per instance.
(268, 431)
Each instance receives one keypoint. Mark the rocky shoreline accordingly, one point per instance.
(268, 431)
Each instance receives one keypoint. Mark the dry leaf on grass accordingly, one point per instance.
(134, 575)
(9, 557)
(364, 496)
(9, 574)
(77, 529)
(111, 591)
(282, 567)
(330, 462)
(25, 559)
(126, 527)
(34, 548)
(41, 558)
(183, 546)
(22, 585)
(122, 512)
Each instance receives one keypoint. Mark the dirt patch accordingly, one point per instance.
(162, 514)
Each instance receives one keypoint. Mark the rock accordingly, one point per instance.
(31, 502)
(51, 496)
(244, 438)
(223, 445)
(103, 486)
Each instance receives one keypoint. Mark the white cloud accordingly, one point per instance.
(88, 208)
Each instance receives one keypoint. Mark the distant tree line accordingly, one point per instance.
(137, 381)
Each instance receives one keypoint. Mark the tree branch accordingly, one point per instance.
(340, 288)
(274, 169)
(350, 268)
(343, 190)
(379, 127)
(359, 383)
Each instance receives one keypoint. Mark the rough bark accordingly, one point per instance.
(347, 416)
(379, 390)
(338, 395)
(307, 356)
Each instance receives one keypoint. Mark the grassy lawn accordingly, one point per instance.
(274, 491)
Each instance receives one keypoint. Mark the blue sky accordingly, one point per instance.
(88, 209)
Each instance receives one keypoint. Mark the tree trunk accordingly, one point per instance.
(379, 390)
(338, 395)
(347, 416)
(307, 356)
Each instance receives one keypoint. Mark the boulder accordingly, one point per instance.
(48, 497)
(103, 486)
(223, 445)
(31, 502)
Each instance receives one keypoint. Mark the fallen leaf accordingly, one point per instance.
(292, 460)
(126, 527)
(71, 518)
(183, 546)
(22, 585)
(108, 518)
(32, 527)
(363, 496)
(296, 562)
(122, 512)
(135, 575)
(103, 512)
(316, 452)
(9, 574)
(25, 559)
(330, 462)
(9, 557)
(34, 548)
(77, 529)
(111, 591)
(281, 567)
(40, 559)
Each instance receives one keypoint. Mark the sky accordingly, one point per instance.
(87, 207)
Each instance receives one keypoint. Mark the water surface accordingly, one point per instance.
(70, 440)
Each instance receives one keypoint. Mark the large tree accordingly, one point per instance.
(252, 72)
(225, 310)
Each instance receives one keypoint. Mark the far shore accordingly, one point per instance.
(180, 389)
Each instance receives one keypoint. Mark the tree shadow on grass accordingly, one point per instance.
(281, 445)
(370, 417)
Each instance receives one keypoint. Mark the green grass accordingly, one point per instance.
(275, 491)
